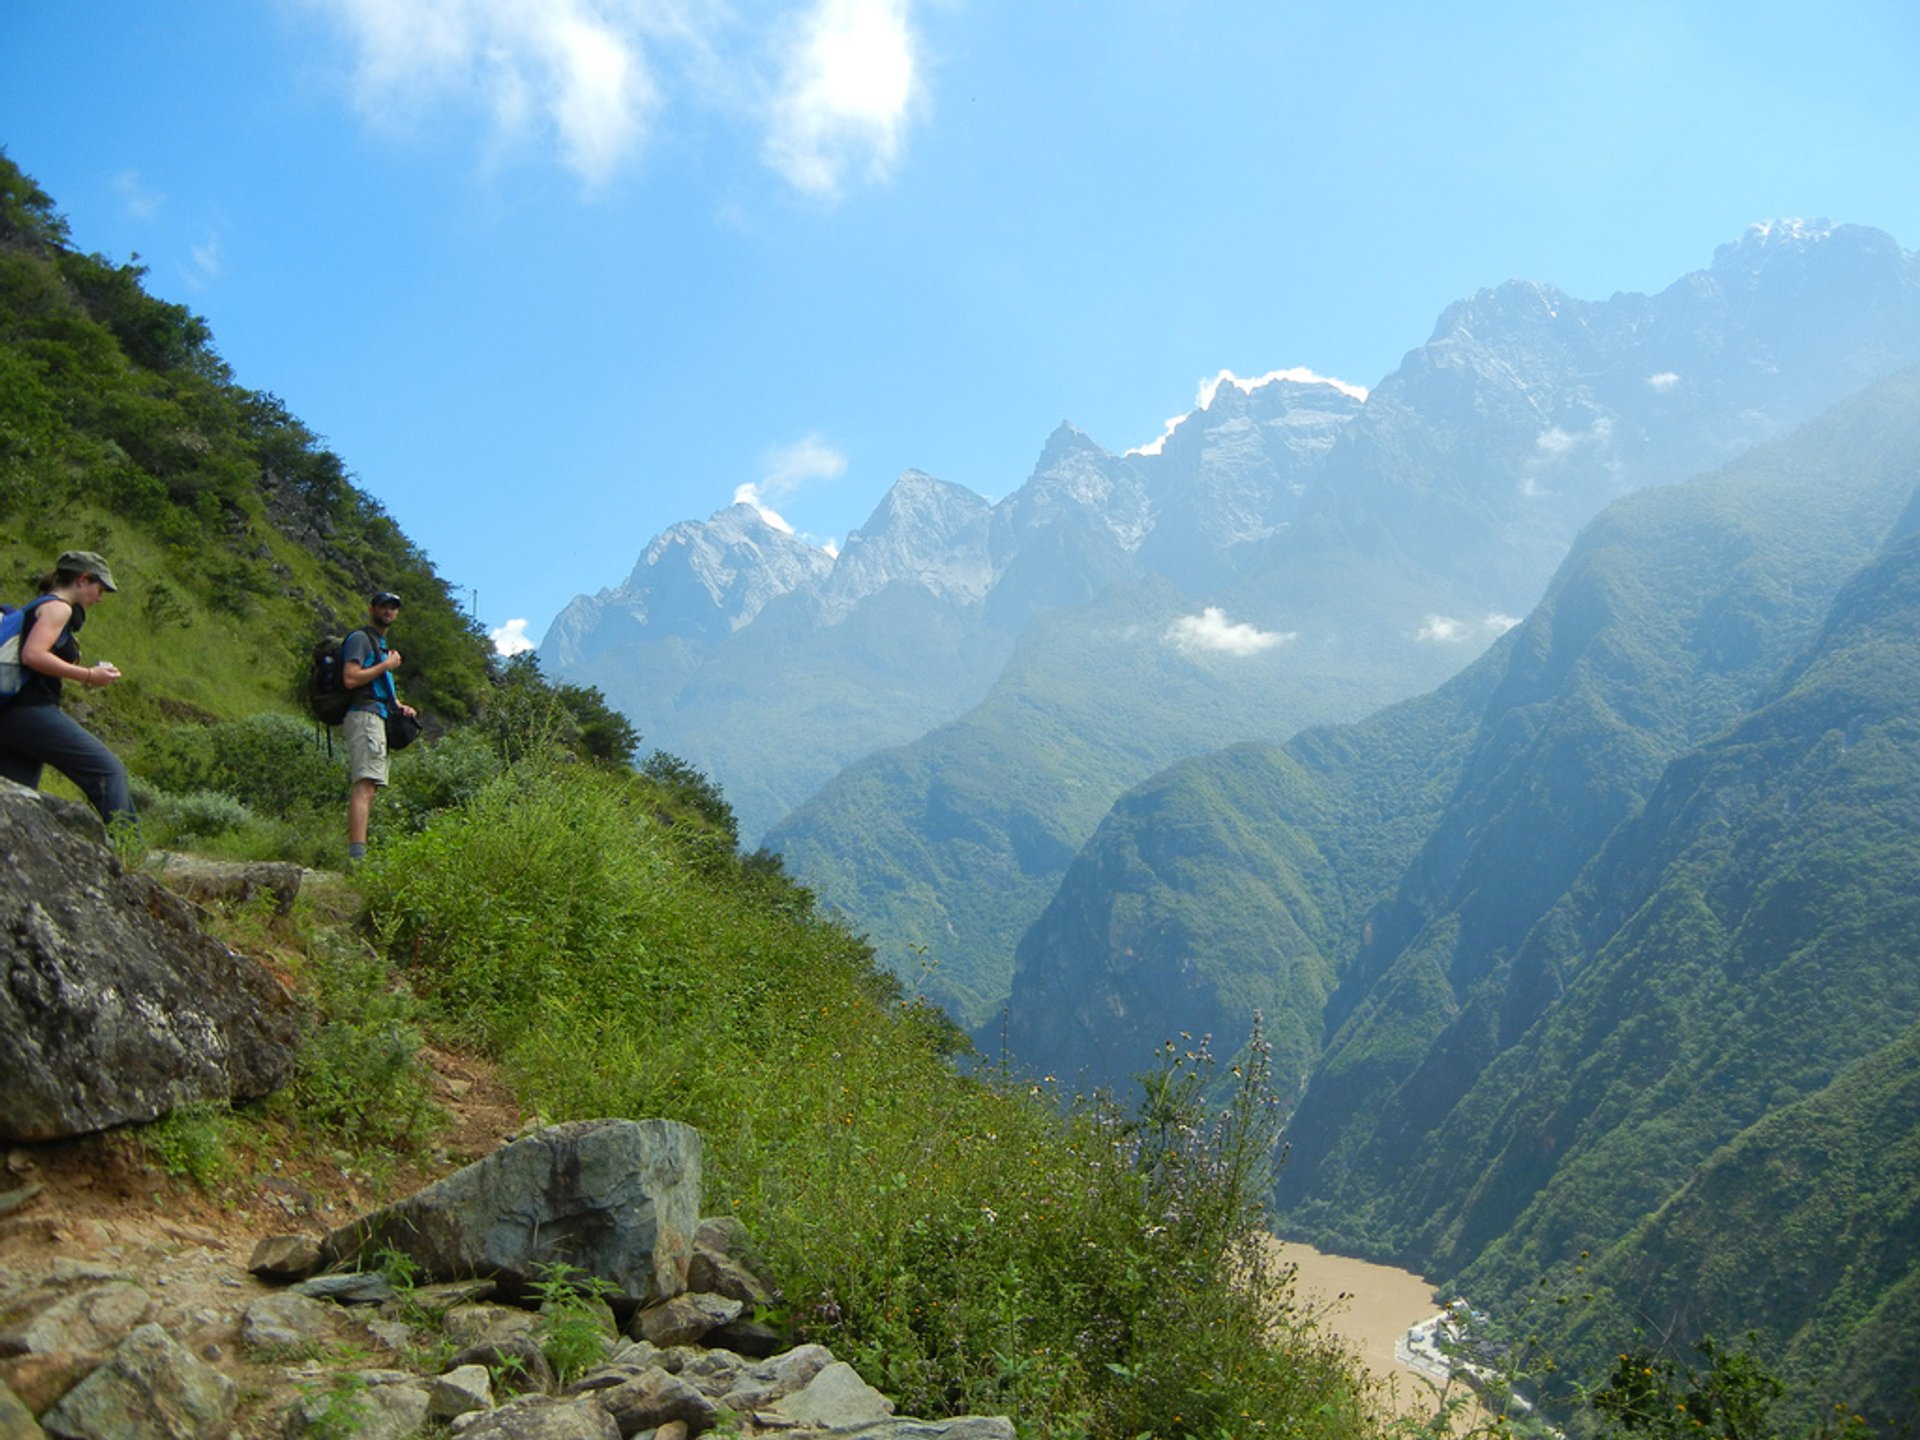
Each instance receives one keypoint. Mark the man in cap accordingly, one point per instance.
(367, 668)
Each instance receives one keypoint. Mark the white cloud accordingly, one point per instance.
(1211, 632)
(833, 83)
(141, 203)
(206, 257)
(749, 494)
(1445, 630)
(850, 77)
(1665, 380)
(1208, 388)
(1555, 441)
(511, 638)
(786, 469)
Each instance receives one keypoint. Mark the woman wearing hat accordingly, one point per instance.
(34, 731)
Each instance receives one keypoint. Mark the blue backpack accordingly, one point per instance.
(13, 674)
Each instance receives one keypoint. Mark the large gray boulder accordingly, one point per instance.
(618, 1199)
(152, 1389)
(114, 1005)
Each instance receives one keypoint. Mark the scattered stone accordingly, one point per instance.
(835, 1399)
(517, 1361)
(684, 1319)
(97, 1318)
(286, 1322)
(726, 1262)
(460, 1392)
(353, 1288)
(16, 1420)
(618, 1199)
(649, 1398)
(40, 1380)
(15, 1199)
(151, 1389)
(540, 1417)
(118, 1007)
(286, 1257)
(749, 1338)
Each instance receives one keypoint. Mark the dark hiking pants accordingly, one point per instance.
(35, 736)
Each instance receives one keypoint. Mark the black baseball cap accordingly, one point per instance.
(384, 597)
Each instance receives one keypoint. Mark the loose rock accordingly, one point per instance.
(151, 1389)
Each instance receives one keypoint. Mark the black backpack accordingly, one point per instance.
(327, 696)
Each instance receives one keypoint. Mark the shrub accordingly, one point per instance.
(274, 763)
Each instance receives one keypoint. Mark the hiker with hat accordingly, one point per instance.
(367, 666)
(34, 731)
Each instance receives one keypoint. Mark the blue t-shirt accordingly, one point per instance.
(366, 649)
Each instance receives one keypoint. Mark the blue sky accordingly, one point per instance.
(551, 275)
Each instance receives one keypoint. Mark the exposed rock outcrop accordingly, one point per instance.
(114, 1005)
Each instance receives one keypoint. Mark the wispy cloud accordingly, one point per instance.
(511, 638)
(833, 82)
(1208, 388)
(849, 80)
(207, 262)
(1210, 632)
(1445, 630)
(784, 471)
(1665, 380)
(140, 202)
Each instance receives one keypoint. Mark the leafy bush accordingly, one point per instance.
(197, 816)
(272, 762)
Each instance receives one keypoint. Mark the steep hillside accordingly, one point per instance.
(1449, 824)
(235, 535)
(1438, 510)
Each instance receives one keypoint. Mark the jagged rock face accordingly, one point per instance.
(114, 1005)
(924, 532)
(619, 1199)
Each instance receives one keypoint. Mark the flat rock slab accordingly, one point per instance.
(617, 1199)
(115, 1006)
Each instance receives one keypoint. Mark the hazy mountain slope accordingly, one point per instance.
(1230, 884)
(1809, 1219)
(773, 664)
(1677, 607)
(1748, 936)
(1203, 895)
(1442, 504)
(955, 842)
